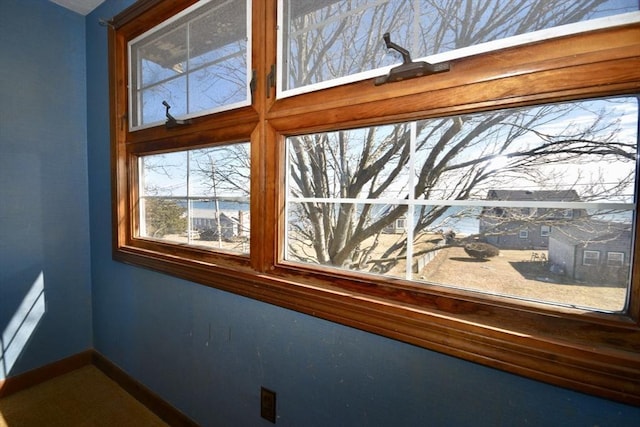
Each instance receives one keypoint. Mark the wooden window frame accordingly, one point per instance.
(591, 352)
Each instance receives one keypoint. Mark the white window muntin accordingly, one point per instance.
(519, 40)
(134, 91)
(604, 206)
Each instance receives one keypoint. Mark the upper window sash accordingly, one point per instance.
(198, 61)
(379, 61)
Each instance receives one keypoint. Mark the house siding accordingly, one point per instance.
(501, 227)
(568, 254)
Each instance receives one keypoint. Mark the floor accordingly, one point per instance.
(84, 397)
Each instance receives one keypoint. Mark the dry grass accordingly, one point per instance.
(512, 273)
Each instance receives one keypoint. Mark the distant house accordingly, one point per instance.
(592, 251)
(232, 224)
(525, 227)
(398, 226)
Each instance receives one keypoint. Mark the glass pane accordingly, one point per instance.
(388, 153)
(219, 84)
(164, 175)
(157, 62)
(329, 39)
(511, 202)
(306, 219)
(197, 197)
(164, 219)
(220, 32)
(170, 91)
(197, 62)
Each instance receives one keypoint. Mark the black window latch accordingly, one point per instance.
(172, 121)
(408, 69)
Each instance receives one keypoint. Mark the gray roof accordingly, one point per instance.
(538, 195)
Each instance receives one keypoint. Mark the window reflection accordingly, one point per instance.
(519, 199)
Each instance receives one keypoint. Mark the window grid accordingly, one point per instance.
(499, 221)
(615, 259)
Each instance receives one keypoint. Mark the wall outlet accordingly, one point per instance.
(268, 404)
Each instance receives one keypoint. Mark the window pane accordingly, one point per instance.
(197, 197)
(591, 257)
(510, 202)
(615, 259)
(330, 39)
(197, 62)
(170, 91)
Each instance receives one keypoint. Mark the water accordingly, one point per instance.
(466, 223)
(223, 205)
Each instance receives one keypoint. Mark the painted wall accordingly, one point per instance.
(45, 272)
(208, 352)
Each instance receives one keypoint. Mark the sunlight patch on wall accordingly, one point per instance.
(18, 331)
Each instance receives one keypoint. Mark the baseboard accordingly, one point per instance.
(140, 392)
(143, 394)
(36, 376)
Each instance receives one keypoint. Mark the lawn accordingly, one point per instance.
(513, 273)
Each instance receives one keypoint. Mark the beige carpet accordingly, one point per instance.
(85, 397)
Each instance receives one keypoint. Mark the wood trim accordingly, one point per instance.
(143, 394)
(525, 61)
(510, 78)
(44, 373)
(118, 122)
(227, 126)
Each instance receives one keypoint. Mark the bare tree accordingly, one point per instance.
(455, 157)
(223, 170)
(329, 39)
(456, 162)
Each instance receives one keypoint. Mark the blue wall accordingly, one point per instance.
(206, 351)
(45, 272)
